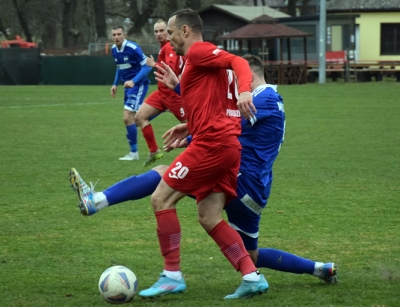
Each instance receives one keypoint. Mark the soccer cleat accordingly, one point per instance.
(250, 288)
(329, 271)
(153, 157)
(130, 156)
(85, 193)
(164, 286)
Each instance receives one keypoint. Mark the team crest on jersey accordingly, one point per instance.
(126, 58)
(216, 51)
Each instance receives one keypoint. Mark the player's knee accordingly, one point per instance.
(208, 222)
(139, 118)
(160, 169)
(129, 118)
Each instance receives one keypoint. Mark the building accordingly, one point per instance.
(377, 29)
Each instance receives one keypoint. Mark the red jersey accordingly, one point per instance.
(208, 95)
(169, 57)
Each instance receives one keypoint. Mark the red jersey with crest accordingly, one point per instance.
(208, 94)
(176, 62)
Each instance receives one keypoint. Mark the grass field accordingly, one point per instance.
(335, 197)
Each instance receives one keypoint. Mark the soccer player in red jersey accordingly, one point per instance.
(163, 98)
(208, 168)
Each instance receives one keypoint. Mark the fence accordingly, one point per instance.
(19, 66)
(28, 67)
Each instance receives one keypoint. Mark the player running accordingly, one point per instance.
(163, 98)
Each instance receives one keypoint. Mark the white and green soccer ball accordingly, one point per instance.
(118, 285)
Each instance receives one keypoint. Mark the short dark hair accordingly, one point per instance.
(255, 64)
(117, 27)
(190, 18)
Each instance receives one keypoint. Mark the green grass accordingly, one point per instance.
(335, 197)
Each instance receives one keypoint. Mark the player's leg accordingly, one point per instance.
(244, 216)
(231, 245)
(148, 110)
(133, 99)
(171, 280)
(132, 188)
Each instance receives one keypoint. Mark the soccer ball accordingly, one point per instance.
(118, 285)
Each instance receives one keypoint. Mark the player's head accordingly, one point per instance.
(160, 30)
(257, 70)
(118, 35)
(184, 27)
(255, 64)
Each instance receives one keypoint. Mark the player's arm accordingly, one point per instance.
(113, 90)
(244, 76)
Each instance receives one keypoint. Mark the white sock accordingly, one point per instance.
(318, 269)
(177, 275)
(100, 200)
(254, 276)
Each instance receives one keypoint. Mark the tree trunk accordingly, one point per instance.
(140, 19)
(23, 21)
(100, 17)
(69, 34)
(292, 7)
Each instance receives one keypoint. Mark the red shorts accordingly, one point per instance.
(201, 170)
(162, 102)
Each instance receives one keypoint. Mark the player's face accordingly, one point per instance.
(175, 36)
(160, 32)
(118, 37)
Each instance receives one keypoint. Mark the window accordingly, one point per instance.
(390, 38)
(297, 43)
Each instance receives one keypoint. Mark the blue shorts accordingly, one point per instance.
(134, 97)
(244, 213)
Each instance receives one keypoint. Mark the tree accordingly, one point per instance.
(292, 7)
(22, 19)
(100, 17)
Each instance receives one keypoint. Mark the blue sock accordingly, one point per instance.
(282, 261)
(131, 135)
(132, 188)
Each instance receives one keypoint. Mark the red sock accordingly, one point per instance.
(148, 135)
(169, 236)
(231, 245)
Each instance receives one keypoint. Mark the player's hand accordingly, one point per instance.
(177, 144)
(129, 84)
(113, 91)
(150, 61)
(245, 105)
(174, 136)
(166, 75)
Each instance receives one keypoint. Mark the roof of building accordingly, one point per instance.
(246, 13)
(362, 5)
(264, 27)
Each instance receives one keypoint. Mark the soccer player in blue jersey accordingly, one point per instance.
(133, 71)
(261, 139)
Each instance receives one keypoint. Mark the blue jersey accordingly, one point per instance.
(129, 60)
(261, 140)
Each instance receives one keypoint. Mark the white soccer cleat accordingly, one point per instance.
(130, 156)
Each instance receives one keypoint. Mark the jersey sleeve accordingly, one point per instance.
(138, 54)
(208, 55)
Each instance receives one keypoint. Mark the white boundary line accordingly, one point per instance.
(51, 105)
